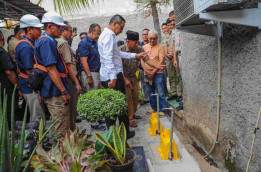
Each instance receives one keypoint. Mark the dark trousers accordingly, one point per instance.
(120, 86)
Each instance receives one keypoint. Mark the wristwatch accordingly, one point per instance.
(89, 76)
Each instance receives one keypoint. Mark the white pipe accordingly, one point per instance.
(254, 139)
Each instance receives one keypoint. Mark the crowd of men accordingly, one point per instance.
(99, 62)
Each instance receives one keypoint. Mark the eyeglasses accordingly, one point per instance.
(122, 27)
(154, 39)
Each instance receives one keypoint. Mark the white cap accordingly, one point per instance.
(53, 17)
(29, 20)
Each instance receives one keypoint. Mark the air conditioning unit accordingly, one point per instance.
(187, 11)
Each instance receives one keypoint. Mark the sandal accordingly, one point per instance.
(136, 116)
(133, 124)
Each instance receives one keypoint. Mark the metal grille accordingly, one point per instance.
(183, 10)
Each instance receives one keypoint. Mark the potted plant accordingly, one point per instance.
(70, 155)
(122, 159)
(100, 103)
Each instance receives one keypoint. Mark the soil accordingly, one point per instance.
(128, 159)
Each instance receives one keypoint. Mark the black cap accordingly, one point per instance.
(133, 36)
(168, 21)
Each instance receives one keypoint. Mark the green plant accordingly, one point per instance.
(100, 103)
(118, 148)
(11, 154)
(141, 95)
(69, 156)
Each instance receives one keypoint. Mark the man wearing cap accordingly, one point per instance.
(24, 54)
(74, 85)
(130, 66)
(55, 88)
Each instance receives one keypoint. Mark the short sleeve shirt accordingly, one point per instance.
(11, 47)
(130, 66)
(176, 40)
(67, 52)
(46, 54)
(167, 41)
(24, 55)
(156, 53)
(6, 63)
(89, 48)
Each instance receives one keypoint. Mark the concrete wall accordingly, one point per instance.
(241, 91)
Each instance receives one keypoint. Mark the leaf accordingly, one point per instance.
(67, 145)
(44, 157)
(103, 141)
(123, 136)
(117, 144)
(98, 164)
(75, 166)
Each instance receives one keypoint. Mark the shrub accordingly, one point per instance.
(100, 103)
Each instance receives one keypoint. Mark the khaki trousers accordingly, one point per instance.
(132, 98)
(61, 112)
(175, 80)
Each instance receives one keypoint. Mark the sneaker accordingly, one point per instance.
(102, 121)
(98, 127)
(150, 112)
(130, 134)
(161, 114)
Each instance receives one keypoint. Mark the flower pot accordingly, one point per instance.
(127, 167)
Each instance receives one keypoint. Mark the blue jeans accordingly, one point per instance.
(157, 85)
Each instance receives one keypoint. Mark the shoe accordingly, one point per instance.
(136, 116)
(181, 103)
(172, 97)
(150, 112)
(179, 99)
(98, 127)
(130, 134)
(102, 121)
(133, 124)
(78, 119)
(161, 114)
(180, 108)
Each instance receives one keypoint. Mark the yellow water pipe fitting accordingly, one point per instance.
(165, 144)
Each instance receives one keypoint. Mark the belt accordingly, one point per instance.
(98, 70)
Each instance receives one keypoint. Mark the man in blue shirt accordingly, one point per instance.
(90, 58)
(24, 54)
(55, 88)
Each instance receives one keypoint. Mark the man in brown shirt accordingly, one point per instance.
(153, 76)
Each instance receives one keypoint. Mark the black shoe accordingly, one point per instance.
(98, 127)
(179, 99)
(102, 121)
(78, 119)
(172, 98)
(180, 108)
(130, 134)
(181, 103)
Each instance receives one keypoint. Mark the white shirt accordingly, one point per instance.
(110, 55)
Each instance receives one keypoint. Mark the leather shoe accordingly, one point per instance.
(179, 99)
(130, 134)
(172, 98)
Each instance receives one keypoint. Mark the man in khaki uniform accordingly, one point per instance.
(74, 86)
(173, 72)
(12, 43)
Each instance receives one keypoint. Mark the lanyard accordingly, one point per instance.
(49, 37)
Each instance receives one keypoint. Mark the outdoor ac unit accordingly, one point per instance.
(186, 11)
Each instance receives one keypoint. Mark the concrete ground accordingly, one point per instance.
(191, 160)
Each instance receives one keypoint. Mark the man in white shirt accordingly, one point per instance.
(111, 64)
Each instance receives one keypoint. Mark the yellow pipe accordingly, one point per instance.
(218, 96)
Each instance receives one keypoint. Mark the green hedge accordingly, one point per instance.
(100, 103)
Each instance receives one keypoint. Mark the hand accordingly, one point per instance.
(90, 82)
(175, 63)
(66, 99)
(160, 67)
(112, 83)
(41, 99)
(128, 83)
(151, 75)
(74, 34)
(20, 95)
(79, 89)
(141, 55)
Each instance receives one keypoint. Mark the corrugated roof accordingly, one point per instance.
(15, 9)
